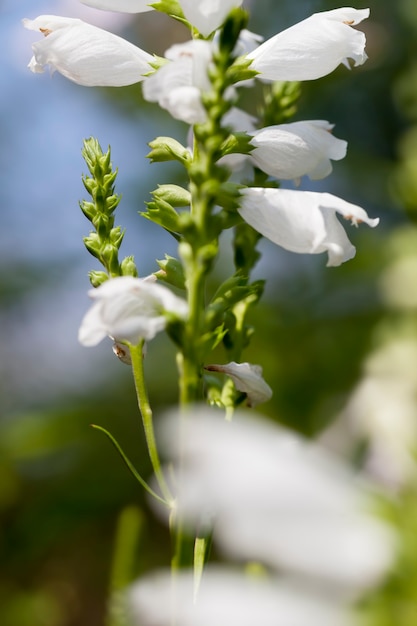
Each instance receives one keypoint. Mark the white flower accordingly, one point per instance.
(86, 54)
(227, 597)
(122, 6)
(247, 378)
(289, 151)
(177, 85)
(303, 221)
(247, 42)
(312, 48)
(129, 309)
(277, 499)
(382, 411)
(208, 15)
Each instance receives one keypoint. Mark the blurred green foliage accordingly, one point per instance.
(62, 485)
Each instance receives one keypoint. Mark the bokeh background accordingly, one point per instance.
(63, 488)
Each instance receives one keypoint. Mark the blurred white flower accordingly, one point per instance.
(382, 410)
(86, 54)
(129, 309)
(277, 499)
(248, 379)
(289, 151)
(303, 221)
(247, 42)
(177, 85)
(122, 6)
(228, 598)
(312, 48)
(208, 15)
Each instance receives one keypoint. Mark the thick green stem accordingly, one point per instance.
(136, 353)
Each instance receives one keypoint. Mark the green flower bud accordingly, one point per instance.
(93, 244)
(110, 259)
(173, 194)
(128, 267)
(168, 149)
(164, 214)
(116, 236)
(89, 209)
(97, 278)
(171, 272)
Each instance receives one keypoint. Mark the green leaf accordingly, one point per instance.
(129, 464)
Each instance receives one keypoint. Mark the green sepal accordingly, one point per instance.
(209, 341)
(128, 267)
(97, 278)
(240, 70)
(218, 307)
(174, 194)
(237, 143)
(228, 196)
(162, 213)
(168, 149)
(170, 7)
(171, 272)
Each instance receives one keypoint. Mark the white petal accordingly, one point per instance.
(229, 598)
(86, 54)
(177, 85)
(208, 15)
(121, 6)
(278, 499)
(129, 309)
(303, 221)
(248, 379)
(289, 151)
(312, 48)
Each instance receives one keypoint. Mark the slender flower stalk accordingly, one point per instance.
(136, 353)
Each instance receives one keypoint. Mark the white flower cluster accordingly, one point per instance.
(274, 499)
(297, 221)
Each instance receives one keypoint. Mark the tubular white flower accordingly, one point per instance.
(85, 54)
(312, 48)
(120, 6)
(248, 379)
(278, 499)
(177, 85)
(303, 221)
(228, 597)
(208, 15)
(289, 151)
(129, 309)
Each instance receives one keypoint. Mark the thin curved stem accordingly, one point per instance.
(136, 353)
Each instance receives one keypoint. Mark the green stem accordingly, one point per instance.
(136, 353)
